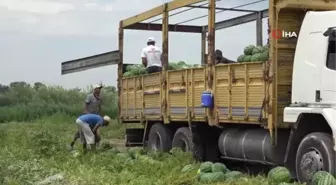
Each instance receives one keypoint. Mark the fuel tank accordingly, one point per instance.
(253, 145)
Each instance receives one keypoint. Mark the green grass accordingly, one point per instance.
(32, 151)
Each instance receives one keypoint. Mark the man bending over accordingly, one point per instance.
(85, 123)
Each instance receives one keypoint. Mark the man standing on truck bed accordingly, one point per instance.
(151, 56)
(92, 106)
(220, 59)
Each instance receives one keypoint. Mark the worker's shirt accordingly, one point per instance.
(153, 55)
(93, 103)
(91, 119)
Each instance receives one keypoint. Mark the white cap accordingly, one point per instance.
(107, 118)
(151, 39)
(96, 86)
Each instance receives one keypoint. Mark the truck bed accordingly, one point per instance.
(239, 93)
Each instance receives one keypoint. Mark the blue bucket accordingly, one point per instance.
(207, 99)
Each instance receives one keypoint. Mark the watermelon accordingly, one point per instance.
(233, 175)
(317, 176)
(264, 56)
(142, 71)
(127, 74)
(188, 168)
(218, 167)
(218, 176)
(327, 179)
(206, 167)
(205, 177)
(255, 57)
(265, 48)
(258, 49)
(279, 174)
(212, 177)
(240, 58)
(129, 67)
(134, 72)
(247, 58)
(248, 49)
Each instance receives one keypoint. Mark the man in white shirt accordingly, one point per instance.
(151, 56)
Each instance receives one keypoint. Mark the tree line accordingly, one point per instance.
(21, 101)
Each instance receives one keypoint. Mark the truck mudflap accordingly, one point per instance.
(134, 137)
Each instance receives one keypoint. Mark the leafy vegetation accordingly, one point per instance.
(21, 101)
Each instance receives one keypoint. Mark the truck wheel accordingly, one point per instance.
(183, 139)
(315, 153)
(160, 138)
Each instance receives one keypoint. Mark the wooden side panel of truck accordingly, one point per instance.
(239, 94)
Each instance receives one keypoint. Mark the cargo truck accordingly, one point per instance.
(279, 112)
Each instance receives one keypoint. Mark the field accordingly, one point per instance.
(38, 122)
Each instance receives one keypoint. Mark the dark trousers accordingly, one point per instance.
(154, 69)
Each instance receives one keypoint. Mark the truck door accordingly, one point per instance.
(328, 83)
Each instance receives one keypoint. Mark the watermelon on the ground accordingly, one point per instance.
(279, 174)
(205, 177)
(218, 176)
(248, 49)
(211, 177)
(188, 168)
(240, 58)
(247, 58)
(218, 167)
(206, 167)
(255, 57)
(233, 175)
(327, 179)
(317, 176)
(258, 49)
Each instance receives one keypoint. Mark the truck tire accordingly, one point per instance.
(183, 139)
(160, 138)
(315, 153)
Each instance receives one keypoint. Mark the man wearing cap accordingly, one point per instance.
(88, 124)
(220, 59)
(151, 56)
(92, 106)
(93, 101)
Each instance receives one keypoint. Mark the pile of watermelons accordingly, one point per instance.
(254, 53)
(217, 172)
(136, 70)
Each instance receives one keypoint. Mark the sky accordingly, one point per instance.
(36, 36)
